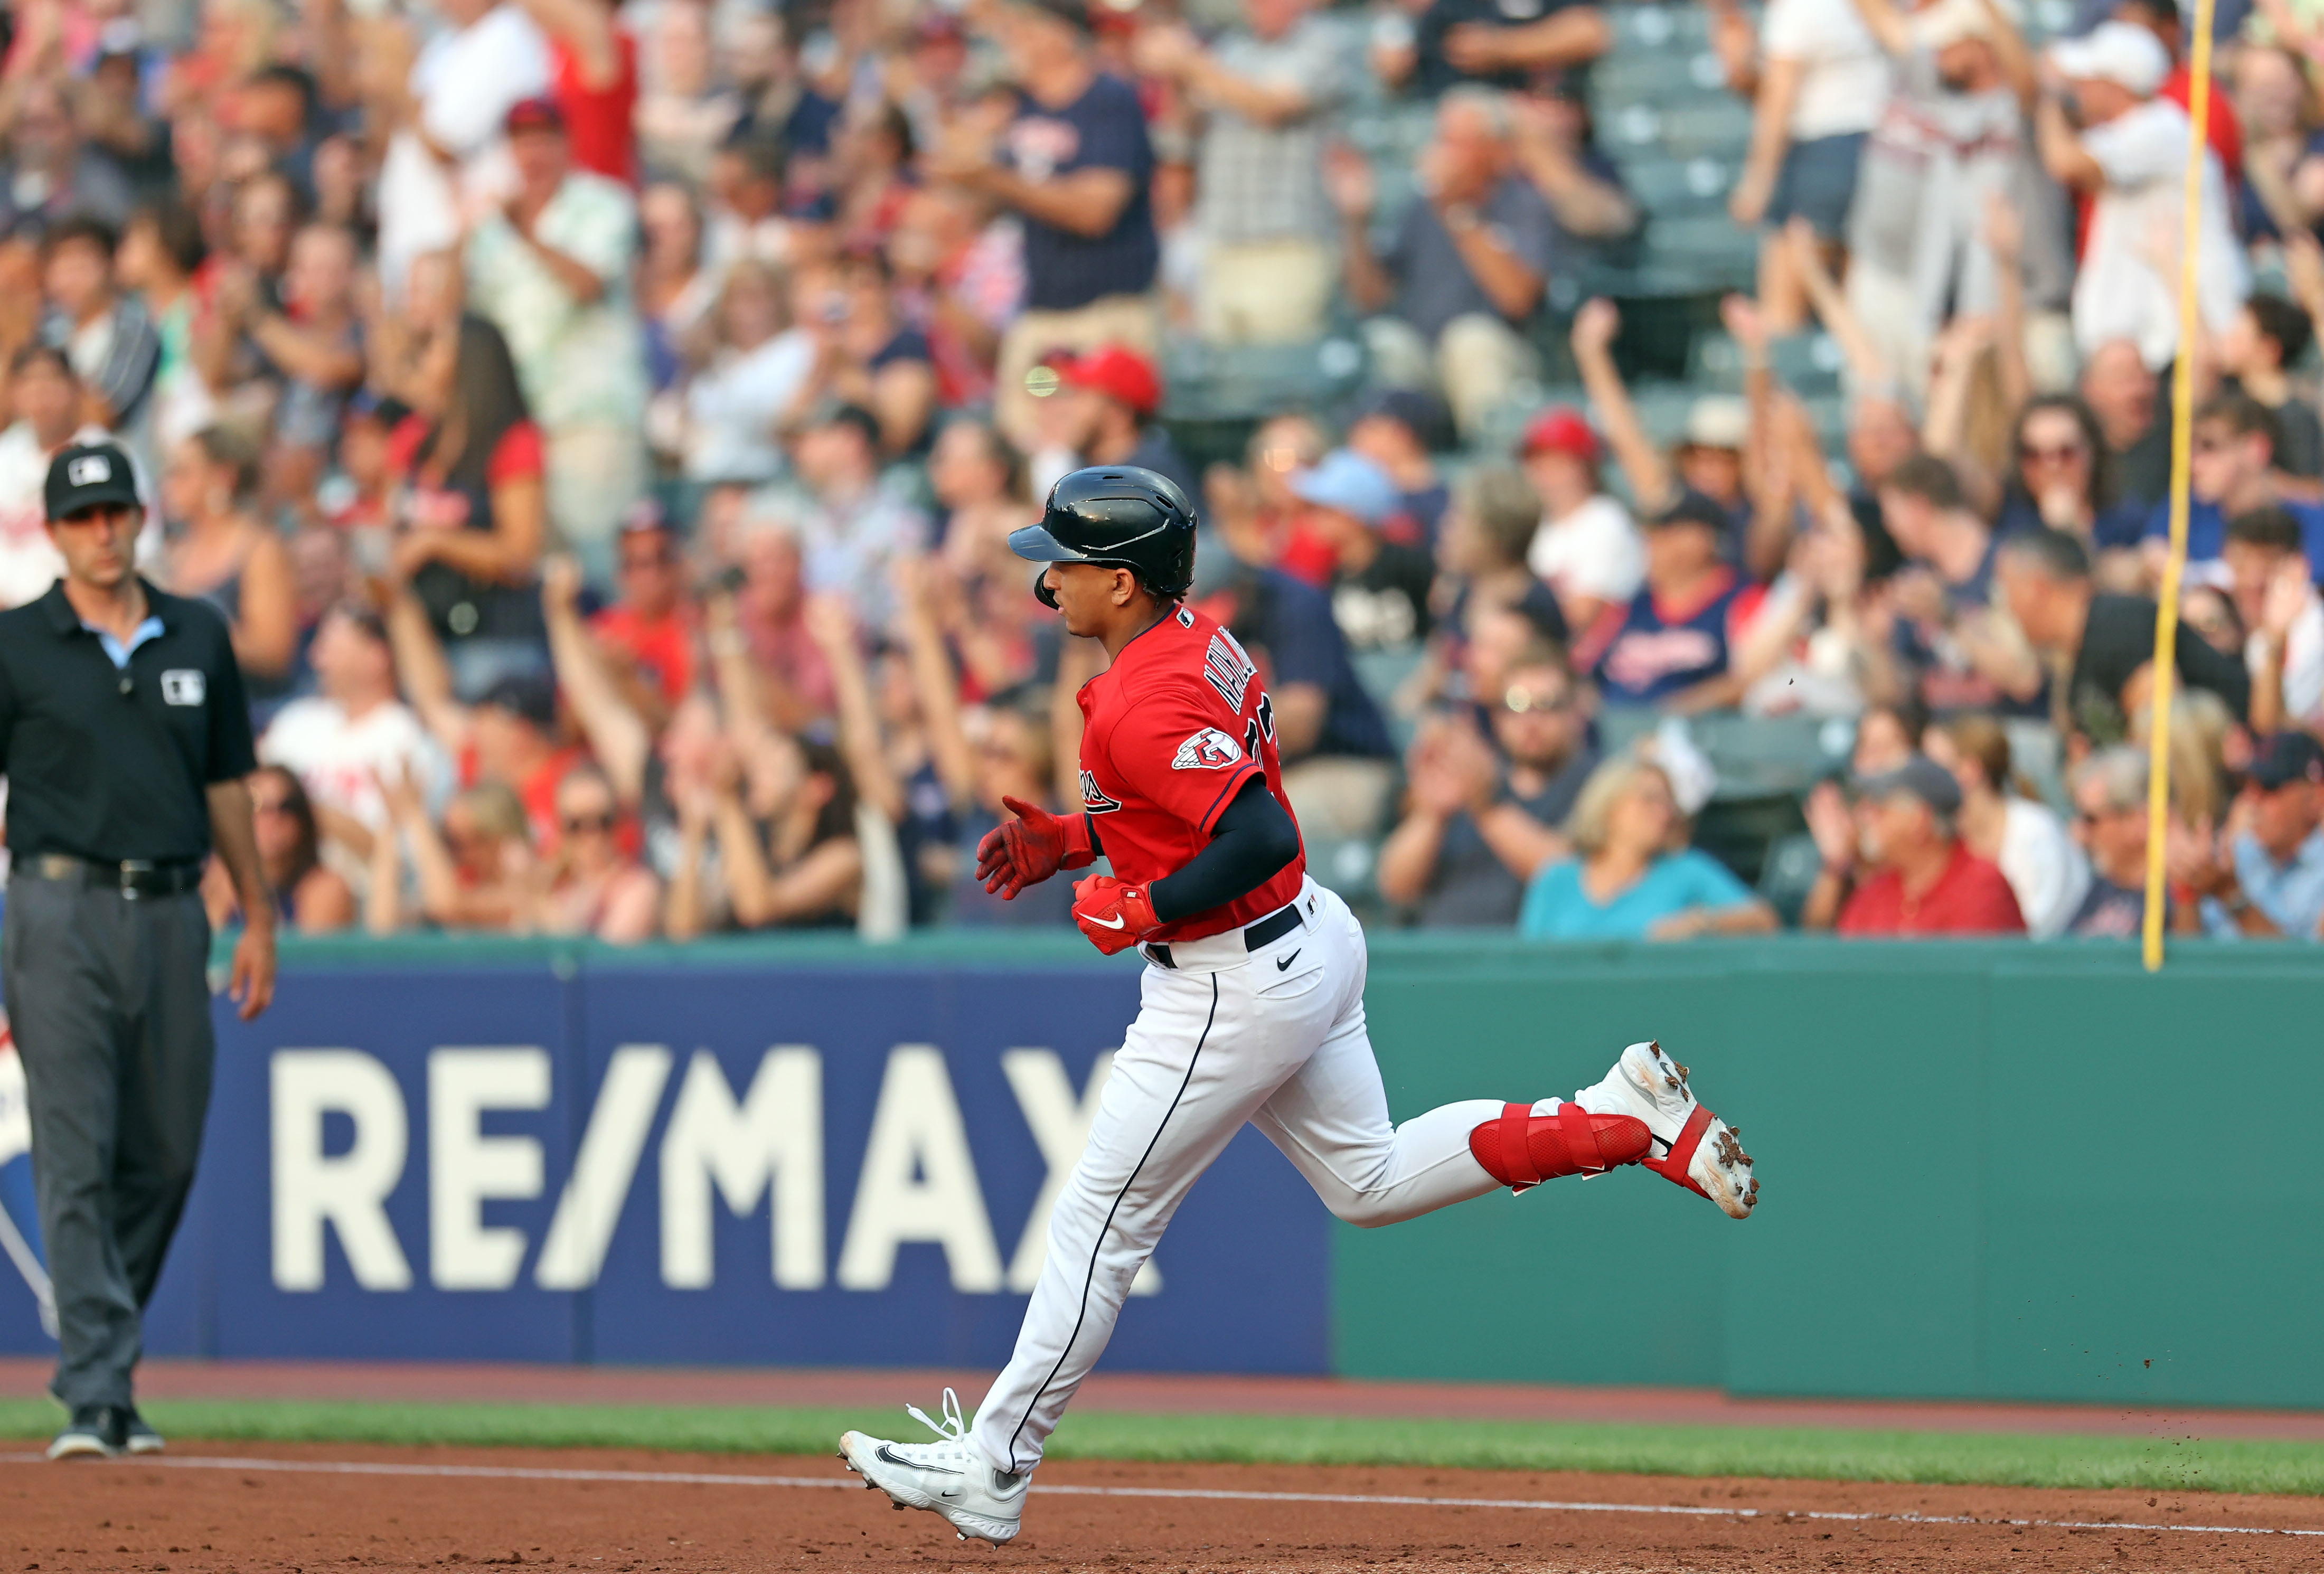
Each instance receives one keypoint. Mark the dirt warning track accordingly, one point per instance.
(226, 1507)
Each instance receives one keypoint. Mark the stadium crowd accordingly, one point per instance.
(601, 425)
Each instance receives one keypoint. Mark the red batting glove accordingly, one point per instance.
(1030, 849)
(1115, 916)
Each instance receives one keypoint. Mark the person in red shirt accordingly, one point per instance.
(651, 622)
(592, 65)
(1895, 868)
(1252, 1004)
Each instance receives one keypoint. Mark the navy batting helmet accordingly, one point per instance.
(1118, 516)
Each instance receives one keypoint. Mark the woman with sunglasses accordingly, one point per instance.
(2060, 477)
(595, 887)
(309, 898)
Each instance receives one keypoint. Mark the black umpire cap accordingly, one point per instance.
(89, 475)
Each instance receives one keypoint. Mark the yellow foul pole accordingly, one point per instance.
(2182, 421)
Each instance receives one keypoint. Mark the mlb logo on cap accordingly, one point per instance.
(90, 476)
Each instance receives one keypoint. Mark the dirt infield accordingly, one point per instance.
(221, 1507)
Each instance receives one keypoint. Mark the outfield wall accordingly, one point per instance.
(1991, 1170)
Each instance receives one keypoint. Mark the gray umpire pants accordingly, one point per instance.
(109, 1001)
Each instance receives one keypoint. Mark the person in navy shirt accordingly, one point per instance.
(1075, 165)
(2232, 471)
(1674, 647)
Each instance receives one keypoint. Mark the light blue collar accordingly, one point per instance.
(150, 629)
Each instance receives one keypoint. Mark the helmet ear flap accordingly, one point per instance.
(1041, 592)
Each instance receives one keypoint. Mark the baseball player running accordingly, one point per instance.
(1252, 1005)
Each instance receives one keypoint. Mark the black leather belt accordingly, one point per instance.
(133, 878)
(1255, 937)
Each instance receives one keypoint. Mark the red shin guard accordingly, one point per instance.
(1523, 1149)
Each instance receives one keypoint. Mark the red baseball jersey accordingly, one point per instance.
(1170, 732)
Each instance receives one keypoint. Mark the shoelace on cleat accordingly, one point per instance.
(954, 1428)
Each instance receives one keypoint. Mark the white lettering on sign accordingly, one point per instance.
(918, 1182)
(1061, 1125)
(771, 1143)
(347, 1192)
(466, 1168)
(574, 1254)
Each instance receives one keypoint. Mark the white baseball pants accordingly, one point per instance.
(1274, 1037)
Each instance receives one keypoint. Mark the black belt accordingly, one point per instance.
(133, 878)
(1255, 937)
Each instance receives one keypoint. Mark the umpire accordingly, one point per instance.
(126, 738)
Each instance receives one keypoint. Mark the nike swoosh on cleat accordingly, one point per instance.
(1117, 923)
(1287, 961)
(910, 1465)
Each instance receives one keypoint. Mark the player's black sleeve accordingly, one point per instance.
(1250, 843)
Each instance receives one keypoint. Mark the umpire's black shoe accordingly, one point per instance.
(139, 1436)
(98, 1431)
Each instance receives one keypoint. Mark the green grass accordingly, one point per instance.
(1822, 1453)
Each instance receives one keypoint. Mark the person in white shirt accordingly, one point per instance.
(754, 383)
(2047, 873)
(45, 394)
(342, 743)
(1817, 88)
(1588, 551)
(2125, 146)
(447, 157)
(2275, 592)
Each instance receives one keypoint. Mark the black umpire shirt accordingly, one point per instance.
(110, 763)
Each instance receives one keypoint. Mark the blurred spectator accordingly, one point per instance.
(2125, 395)
(651, 626)
(311, 899)
(1675, 645)
(593, 886)
(1464, 268)
(298, 344)
(759, 608)
(2267, 337)
(447, 155)
(471, 514)
(2283, 148)
(676, 287)
(780, 812)
(1378, 588)
(2100, 641)
(1950, 645)
(1586, 549)
(978, 482)
(1488, 532)
(2061, 476)
(859, 524)
(1338, 762)
(1266, 91)
(1708, 457)
(2232, 469)
(45, 396)
(592, 73)
(1817, 90)
(872, 359)
(2001, 824)
(551, 271)
(758, 373)
(1075, 165)
(1477, 827)
(105, 333)
(1632, 875)
(2127, 154)
(2110, 813)
(1104, 409)
(2275, 595)
(1897, 865)
(684, 112)
(1955, 135)
(340, 741)
(1251, 506)
(49, 172)
(161, 250)
(221, 553)
(1538, 43)
(476, 872)
(960, 276)
(1398, 429)
(2266, 878)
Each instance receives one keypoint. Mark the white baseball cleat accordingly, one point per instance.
(1690, 1145)
(947, 1477)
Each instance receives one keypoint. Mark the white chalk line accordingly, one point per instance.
(1208, 1494)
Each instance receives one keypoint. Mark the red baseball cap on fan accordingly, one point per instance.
(1560, 430)
(1117, 372)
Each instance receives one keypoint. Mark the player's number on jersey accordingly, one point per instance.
(1262, 725)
